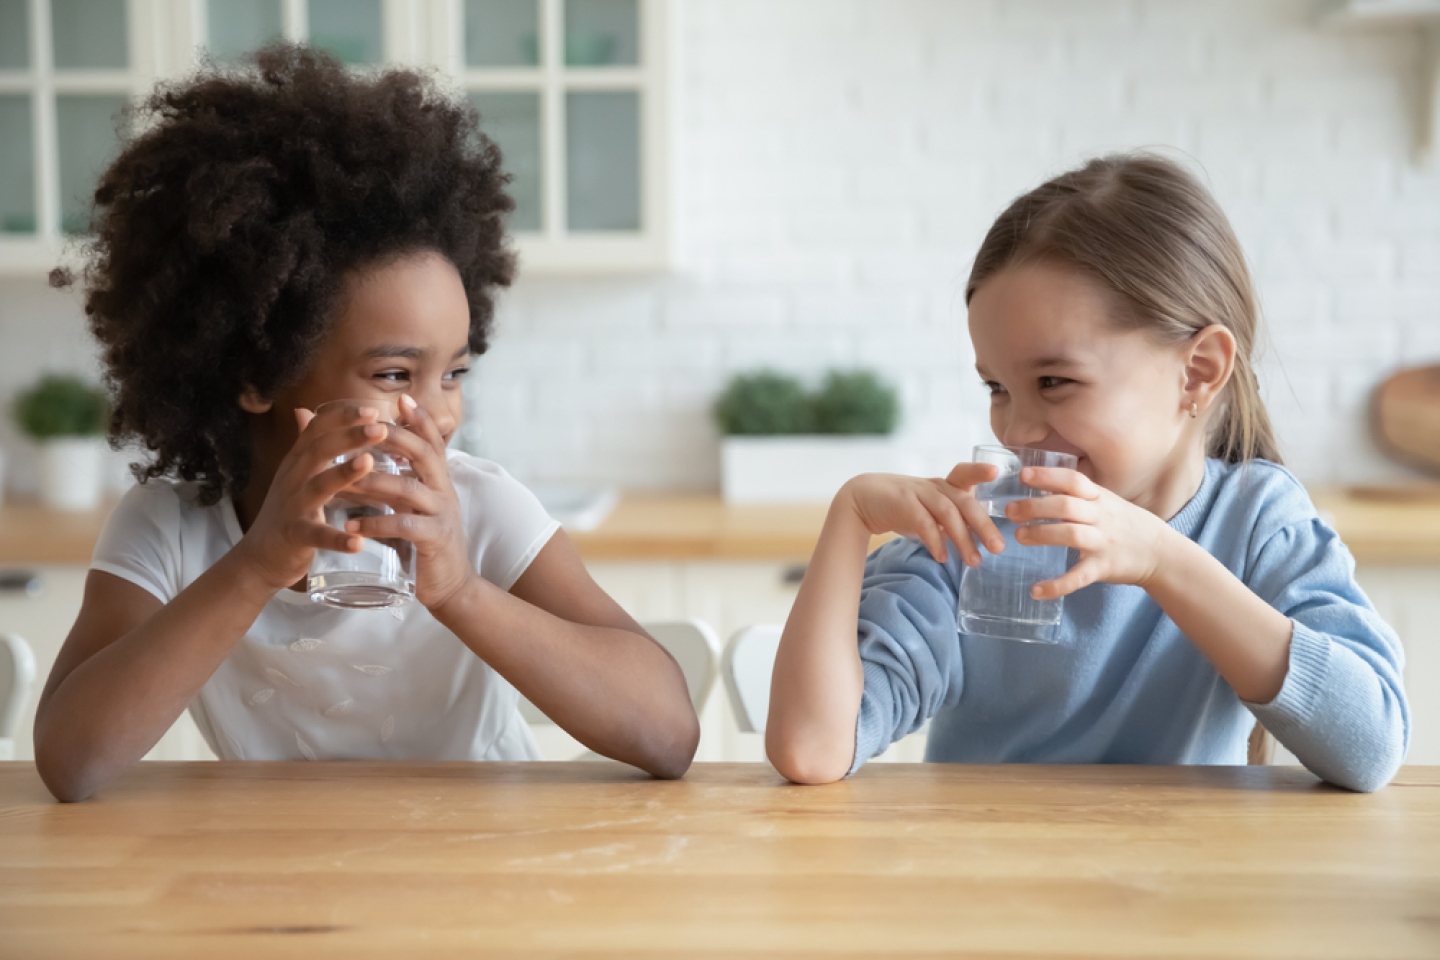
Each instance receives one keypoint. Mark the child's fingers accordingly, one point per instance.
(951, 525)
(420, 443)
(405, 494)
(1060, 480)
(396, 526)
(323, 537)
(977, 518)
(1081, 575)
(418, 419)
(1079, 536)
(967, 475)
(1057, 507)
(322, 488)
(325, 448)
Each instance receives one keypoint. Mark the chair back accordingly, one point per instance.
(749, 661)
(17, 673)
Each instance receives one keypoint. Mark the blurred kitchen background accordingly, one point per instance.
(711, 187)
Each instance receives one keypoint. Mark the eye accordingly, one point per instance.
(458, 373)
(994, 388)
(1050, 383)
(394, 376)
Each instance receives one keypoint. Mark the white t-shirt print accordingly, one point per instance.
(314, 682)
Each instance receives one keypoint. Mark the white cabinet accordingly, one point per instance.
(575, 92)
(44, 621)
(67, 70)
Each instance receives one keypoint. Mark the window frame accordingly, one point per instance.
(554, 249)
(49, 245)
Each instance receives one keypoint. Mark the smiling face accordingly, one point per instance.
(403, 328)
(1063, 375)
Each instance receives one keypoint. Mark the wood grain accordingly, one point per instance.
(593, 860)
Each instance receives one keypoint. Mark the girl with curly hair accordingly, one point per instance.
(278, 237)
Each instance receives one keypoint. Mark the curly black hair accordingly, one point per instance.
(224, 233)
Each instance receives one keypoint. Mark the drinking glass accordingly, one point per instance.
(382, 574)
(995, 598)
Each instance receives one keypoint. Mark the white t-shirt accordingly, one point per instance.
(309, 681)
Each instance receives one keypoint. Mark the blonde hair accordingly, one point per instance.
(1149, 233)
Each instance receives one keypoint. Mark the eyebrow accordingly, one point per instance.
(1043, 363)
(388, 351)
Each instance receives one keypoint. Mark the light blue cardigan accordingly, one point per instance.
(1126, 686)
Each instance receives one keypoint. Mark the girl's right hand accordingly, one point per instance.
(291, 525)
(930, 510)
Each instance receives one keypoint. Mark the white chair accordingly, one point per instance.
(695, 648)
(749, 661)
(17, 672)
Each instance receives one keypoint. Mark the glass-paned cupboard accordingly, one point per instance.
(67, 74)
(572, 91)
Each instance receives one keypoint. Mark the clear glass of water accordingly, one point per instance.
(995, 598)
(382, 574)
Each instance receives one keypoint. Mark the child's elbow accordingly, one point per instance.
(804, 763)
(67, 780)
(669, 756)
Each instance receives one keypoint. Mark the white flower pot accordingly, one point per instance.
(71, 472)
(803, 469)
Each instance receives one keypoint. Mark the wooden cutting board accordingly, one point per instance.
(1406, 417)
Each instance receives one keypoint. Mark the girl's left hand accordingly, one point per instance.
(1118, 542)
(427, 509)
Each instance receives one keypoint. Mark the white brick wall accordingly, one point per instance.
(839, 160)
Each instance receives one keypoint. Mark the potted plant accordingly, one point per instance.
(784, 444)
(66, 417)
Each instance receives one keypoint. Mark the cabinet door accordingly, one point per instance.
(44, 621)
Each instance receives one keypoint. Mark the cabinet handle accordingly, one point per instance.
(793, 574)
(28, 582)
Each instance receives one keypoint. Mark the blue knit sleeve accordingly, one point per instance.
(909, 647)
(1342, 709)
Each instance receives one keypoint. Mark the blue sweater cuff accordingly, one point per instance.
(1309, 668)
(871, 736)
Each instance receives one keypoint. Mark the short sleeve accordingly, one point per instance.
(505, 523)
(141, 540)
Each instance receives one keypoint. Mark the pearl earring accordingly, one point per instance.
(1194, 410)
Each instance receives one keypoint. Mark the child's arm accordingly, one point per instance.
(131, 664)
(555, 634)
(1300, 645)
(818, 684)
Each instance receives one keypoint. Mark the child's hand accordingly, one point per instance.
(291, 526)
(427, 509)
(929, 509)
(1118, 542)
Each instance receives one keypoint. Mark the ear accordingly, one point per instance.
(252, 402)
(1209, 361)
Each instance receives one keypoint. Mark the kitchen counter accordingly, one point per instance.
(1381, 528)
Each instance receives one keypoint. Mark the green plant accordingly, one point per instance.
(855, 402)
(772, 404)
(763, 404)
(61, 406)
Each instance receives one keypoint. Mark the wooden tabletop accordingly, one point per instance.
(220, 860)
(1379, 528)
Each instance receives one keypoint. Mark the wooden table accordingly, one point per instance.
(207, 860)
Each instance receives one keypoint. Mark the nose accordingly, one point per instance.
(438, 405)
(1022, 427)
